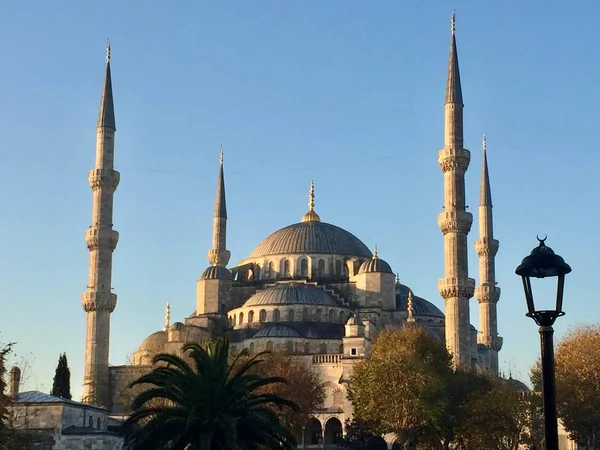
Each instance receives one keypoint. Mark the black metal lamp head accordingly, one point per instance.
(543, 263)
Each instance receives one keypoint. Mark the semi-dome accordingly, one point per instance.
(375, 264)
(155, 342)
(277, 331)
(311, 237)
(421, 307)
(291, 294)
(216, 273)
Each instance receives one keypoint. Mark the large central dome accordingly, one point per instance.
(311, 237)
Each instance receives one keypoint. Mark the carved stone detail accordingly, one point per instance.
(485, 246)
(96, 239)
(98, 301)
(456, 287)
(456, 159)
(494, 343)
(455, 222)
(104, 178)
(487, 294)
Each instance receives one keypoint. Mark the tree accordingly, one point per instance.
(578, 384)
(402, 387)
(61, 387)
(303, 386)
(5, 400)
(208, 404)
(357, 432)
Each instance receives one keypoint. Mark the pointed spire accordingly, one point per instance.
(397, 278)
(485, 195)
(453, 87)
(311, 215)
(410, 306)
(106, 115)
(375, 254)
(167, 316)
(220, 203)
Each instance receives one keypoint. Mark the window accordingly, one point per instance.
(291, 315)
(304, 268)
(353, 352)
(270, 270)
(289, 347)
(269, 346)
(276, 315)
(338, 267)
(90, 422)
(251, 347)
(257, 271)
(285, 268)
(251, 317)
(318, 314)
(98, 423)
(321, 268)
(241, 318)
(342, 317)
(323, 348)
(262, 316)
(234, 320)
(306, 347)
(305, 315)
(331, 315)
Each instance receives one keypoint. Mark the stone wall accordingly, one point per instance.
(89, 442)
(120, 378)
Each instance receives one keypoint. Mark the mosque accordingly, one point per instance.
(311, 289)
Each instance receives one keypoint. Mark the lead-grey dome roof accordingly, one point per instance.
(277, 331)
(216, 273)
(375, 265)
(421, 307)
(311, 237)
(291, 294)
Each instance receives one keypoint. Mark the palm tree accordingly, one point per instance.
(209, 404)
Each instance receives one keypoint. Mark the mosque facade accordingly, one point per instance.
(311, 290)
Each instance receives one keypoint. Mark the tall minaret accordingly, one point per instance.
(218, 255)
(455, 222)
(99, 301)
(487, 293)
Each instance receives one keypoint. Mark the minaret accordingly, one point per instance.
(455, 222)
(218, 255)
(99, 301)
(487, 293)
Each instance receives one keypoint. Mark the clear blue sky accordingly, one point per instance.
(347, 93)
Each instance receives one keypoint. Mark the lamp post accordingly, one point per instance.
(544, 263)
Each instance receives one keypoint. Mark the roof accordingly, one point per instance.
(216, 273)
(312, 237)
(41, 397)
(375, 265)
(277, 331)
(291, 294)
(421, 307)
(106, 115)
(306, 330)
(154, 342)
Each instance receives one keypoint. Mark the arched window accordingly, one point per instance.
(289, 347)
(270, 273)
(341, 349)
(251, 347)
(90, 422)
(241, 318)
(250, 316)
(304, 267)
(262, 316)
(345, 269)
(234, 320)
(98, 423)
(269, 346)
(321, 267)
(338, 267)
(342, 317)
(291, 315)
(305, 315)
(306, 348)
(276, 315)
(331, 315)
(318, 314)
(286, 268)
(323, 348)
(257, 271)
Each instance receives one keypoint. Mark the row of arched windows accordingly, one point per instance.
(290, 316)
(296, 348)
(91, 422)
(285, 271)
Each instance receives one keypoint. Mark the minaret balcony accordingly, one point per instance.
(454, 159)
(98, 238)
(487, 294)
(456, 287)
(485, 246)
(494, 343)
(455, 222)
(98, 301)
(104, 178)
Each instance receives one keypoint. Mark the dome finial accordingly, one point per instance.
(221, 155)
(167, 316)
(484, 143)
(311, 215)
(375, 255)
(397, 278)
(409, 307)
(108, 50)
(453, 22)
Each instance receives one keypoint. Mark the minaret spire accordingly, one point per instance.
(167, 316)
(99, 301)
(410, 307)
(487, 293)
(218, 255)
(455, 222)
(311, 215)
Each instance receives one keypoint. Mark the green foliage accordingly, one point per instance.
(207, 404)
(578, 384)
(61, 387)
(403, 386)
(357, 432)
(4, 399)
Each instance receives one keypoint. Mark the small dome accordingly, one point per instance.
(216, 273)
(291, 294)
(421, 307)
(277, 331)
(155, 342)
(355, 320)
(374, 265)
(177, 326)
(516, 385)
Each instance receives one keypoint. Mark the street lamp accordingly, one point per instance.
(544, 263)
